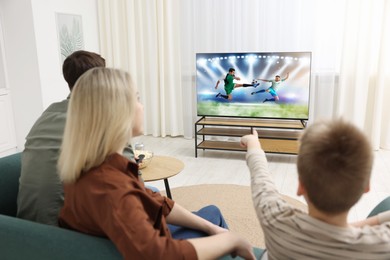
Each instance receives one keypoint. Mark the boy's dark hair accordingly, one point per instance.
(334, 165)
(231, 69)
(79, 62)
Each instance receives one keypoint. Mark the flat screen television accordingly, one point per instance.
(257, 84)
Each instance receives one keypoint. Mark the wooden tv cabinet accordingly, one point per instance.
(275, 135)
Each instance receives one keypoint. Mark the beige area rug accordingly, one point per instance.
(235, 203)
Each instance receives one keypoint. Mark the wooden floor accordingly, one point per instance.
(219, 167)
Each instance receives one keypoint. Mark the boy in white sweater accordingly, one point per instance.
(334, 166)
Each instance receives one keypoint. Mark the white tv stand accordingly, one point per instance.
(275, 135)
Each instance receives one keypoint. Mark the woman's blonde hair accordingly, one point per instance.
(99, 121)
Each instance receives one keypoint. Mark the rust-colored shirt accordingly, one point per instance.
(110, 201)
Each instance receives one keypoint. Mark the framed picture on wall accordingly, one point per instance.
(70, 34)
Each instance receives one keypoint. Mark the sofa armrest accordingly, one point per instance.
(9, 183)
(22, 239)
(381, 207)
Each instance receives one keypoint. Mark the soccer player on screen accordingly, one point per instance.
(272, 90)
(230, 85)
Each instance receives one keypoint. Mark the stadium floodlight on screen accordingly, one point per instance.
(258, 85)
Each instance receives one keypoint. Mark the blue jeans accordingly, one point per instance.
(154, 189)
(210, 213)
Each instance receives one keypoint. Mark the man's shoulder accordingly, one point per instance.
(54, 111)
(60, 107)
(49, 125)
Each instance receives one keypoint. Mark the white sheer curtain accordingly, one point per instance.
(364, 93)
(263, 25)
(142, 37)
(156, 40)
(349, 41)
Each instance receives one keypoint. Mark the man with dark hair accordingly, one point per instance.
(230, 85)
(40, 196)
(79, 62)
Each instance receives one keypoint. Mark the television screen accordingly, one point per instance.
(259, 85)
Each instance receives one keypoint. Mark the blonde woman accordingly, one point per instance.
(103, 196)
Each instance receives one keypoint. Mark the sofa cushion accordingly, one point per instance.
(23, 239)
(9, 183)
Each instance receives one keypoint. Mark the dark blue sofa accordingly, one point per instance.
(22, 239)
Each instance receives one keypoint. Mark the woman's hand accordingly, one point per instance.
(214, 247)
(243, 249)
